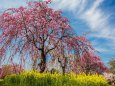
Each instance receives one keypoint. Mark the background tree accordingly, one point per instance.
(112, 65)
(92, 63)
(88, 63)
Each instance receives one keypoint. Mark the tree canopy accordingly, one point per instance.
(37, 32)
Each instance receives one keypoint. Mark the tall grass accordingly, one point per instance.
(56, 79)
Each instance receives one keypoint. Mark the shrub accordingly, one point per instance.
(56, 79)
(10, 69)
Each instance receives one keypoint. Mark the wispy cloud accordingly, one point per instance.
(70, 5)
(98, 21)
(102, 50)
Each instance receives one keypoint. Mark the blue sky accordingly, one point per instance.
(94, 16)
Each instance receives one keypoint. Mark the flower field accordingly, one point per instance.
(47, 79)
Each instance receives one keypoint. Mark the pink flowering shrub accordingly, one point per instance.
(10, 69)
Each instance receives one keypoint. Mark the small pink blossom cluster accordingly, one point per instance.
(110, 78)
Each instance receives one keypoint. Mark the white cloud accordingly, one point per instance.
(98, 21)
(70, 5)
(100, 49)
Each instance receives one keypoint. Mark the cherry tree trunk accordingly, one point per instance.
(64, 66)
(63, 70)
(43, 62)
(34, 64)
